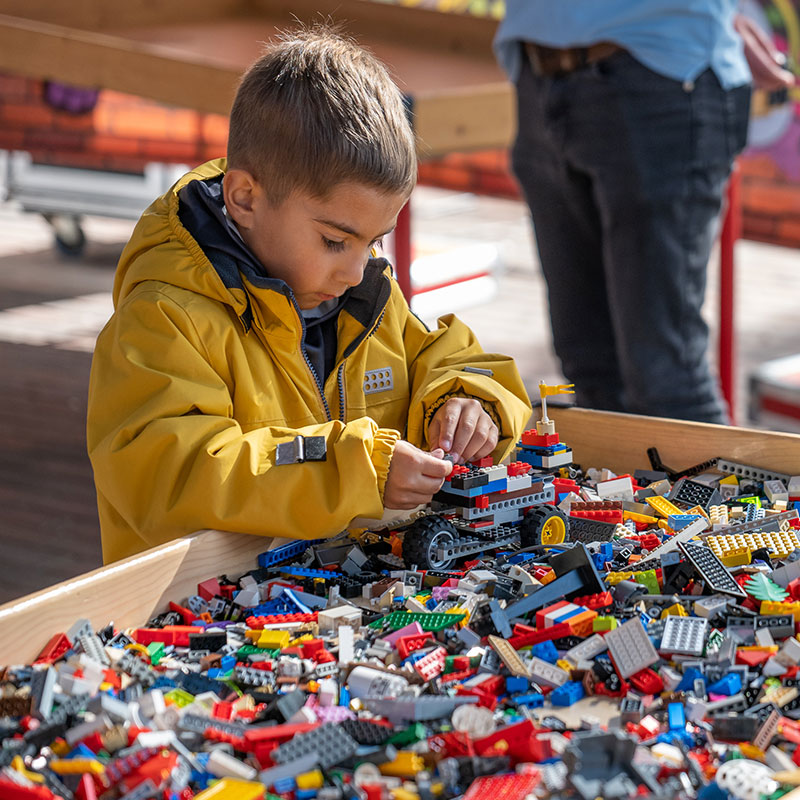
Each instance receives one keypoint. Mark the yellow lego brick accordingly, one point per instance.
(233, 789)
(405, 764)
(750, 751)
(564, 664)
(613, 578)
(18, 765)
(310, 780)
(769, 608)
(274, 639)
(77, 766)
(675, 610)
(697, 510)
(548, 577)
(662, 506)
(731, 480)
(600, 624)
(736, 557)
(640, 517)
(401, 793)
(773, 648)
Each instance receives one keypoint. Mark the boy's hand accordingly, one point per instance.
(462, 428)
(414, 476)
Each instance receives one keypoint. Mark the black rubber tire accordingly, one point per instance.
(421, 540)
(536, 520)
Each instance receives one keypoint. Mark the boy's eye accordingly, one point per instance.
(378, 244)
(332, 244)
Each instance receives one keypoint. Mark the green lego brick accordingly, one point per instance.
(413, 733)
(180, 697)
(648, 578)
(156, 652)
(428, 621)
(600, 624)
(763, 588)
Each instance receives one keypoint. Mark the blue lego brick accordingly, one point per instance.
(499, 485)
(728, 685)
(549, 450)
(567, 694)
(280, 554)
(516, 683)
(546, 651)
(689, 677)
(534, 699)
(676, 717)
(304, 572)
(679, 521)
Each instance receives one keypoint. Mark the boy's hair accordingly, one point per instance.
(317, 110)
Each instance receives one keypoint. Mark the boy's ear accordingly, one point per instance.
(240, 190)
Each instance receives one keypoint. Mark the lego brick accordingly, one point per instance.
(329, 743)
(711, 569)
(684, 636)
(630, 648)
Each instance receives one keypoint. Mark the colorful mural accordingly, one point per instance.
(775, 117)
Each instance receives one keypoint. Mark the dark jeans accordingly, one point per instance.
(624, 171)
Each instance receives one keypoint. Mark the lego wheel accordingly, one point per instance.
(422, 540)
(543, 524)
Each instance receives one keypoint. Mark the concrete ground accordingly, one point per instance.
(51, 309)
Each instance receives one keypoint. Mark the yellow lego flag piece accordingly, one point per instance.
(560, 388)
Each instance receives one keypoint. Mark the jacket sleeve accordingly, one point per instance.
(170, 459)
(449, 362)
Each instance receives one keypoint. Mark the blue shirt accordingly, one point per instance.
(676, 38)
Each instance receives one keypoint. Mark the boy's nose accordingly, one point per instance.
(352, 271)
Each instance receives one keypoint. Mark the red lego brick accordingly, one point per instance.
(502, 787)
(532, 439)
(413, 642)
(517, 468)
(259, 623)
(485, 699)
(208, 589)
(54, 649)
(529, 639)
(647, 681)
(457, 677)
(454, 744)
(188, 615)
(486, 461)
(13, 791)
(594, 601)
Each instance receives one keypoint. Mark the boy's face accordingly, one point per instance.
(319, 247)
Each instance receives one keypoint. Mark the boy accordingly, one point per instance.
(248, 313)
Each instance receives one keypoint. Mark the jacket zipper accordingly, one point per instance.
(340, 374)
(311, 369)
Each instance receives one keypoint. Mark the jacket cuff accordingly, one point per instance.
(383, 442)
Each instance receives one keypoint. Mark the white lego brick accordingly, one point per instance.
(709, 606)
(794, 486)
(497, 472)
(548, 674)
(764, 638)
(616, 489)
(331, 619)
(224, 766)
(586, 650)
(516, 483)
(789, 653)
(776, 490)
(661, 488)
(630, 648)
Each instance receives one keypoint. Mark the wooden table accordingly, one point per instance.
(131, 591)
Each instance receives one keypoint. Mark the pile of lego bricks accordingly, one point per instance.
(668, 668)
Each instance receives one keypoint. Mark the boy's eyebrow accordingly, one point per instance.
(344, 228)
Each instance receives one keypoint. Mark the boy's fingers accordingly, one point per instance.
(467, 425)
(434, 466)
(448, 421)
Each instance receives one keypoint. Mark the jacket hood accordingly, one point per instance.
(184, 239)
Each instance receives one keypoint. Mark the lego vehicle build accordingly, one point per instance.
(484, 507)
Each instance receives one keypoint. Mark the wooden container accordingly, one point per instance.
(131, 591)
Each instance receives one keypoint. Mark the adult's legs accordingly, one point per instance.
(624, 171)
(568, 237)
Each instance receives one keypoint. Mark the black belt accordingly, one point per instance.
(550, 61)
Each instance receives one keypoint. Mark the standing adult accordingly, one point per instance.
(630, 115)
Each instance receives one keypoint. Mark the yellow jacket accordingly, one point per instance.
(199, 375)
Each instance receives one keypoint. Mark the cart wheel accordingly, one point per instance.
(423, 538)
(68, 236)
(543, 524)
